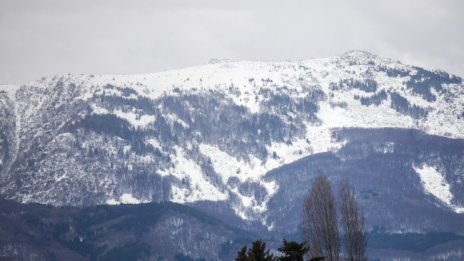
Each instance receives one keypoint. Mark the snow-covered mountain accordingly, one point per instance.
(219, 133)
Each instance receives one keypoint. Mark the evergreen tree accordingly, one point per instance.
(293, 251)
(257, 252)
(242, 255)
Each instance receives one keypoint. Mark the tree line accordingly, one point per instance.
(327, 226)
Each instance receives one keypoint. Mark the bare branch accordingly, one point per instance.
(320, 227)
(352, 224)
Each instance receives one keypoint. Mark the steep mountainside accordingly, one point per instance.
(407, 181)
(210, 135)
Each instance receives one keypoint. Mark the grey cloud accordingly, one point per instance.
(41, 38)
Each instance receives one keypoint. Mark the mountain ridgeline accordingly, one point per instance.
(242, 142)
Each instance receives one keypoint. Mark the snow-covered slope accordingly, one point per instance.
(348, 81)
(435, 184)
(206, 133)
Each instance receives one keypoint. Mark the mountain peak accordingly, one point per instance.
(359, 54)
(220, 60)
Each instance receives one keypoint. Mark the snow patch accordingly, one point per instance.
(386, 148)
(154, 143)
(173, 118)
(321, 140)
(196, 186)
(125, 198)
(251, 170)
(10, 90)
(136, 120)
(99, 110)
(435, 184)
(228, 166)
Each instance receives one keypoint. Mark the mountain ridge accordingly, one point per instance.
(210, 132)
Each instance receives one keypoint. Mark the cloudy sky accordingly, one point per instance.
(41, 38)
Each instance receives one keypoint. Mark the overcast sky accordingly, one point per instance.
(42, 38)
